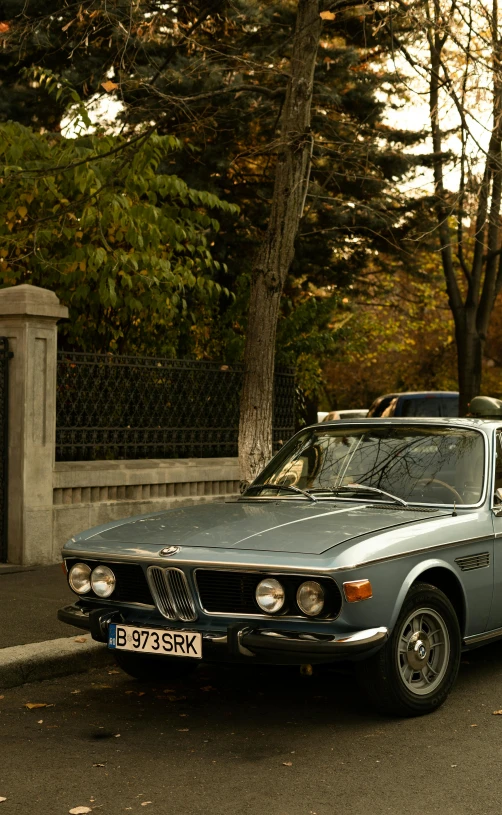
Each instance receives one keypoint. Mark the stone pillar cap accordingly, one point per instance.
(33, 301)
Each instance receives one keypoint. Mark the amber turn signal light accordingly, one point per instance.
(357, 590)
(63, 566)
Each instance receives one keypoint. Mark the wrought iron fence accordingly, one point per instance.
(115, 407)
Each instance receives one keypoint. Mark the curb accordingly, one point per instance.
(46, 660)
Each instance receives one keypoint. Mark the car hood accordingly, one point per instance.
(275, 526)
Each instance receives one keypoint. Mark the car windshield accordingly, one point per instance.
(426, 465)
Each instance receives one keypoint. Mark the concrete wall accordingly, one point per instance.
(48, 502)
(89, 493)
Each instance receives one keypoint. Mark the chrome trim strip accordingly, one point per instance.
(99, 602)
(258, 616)
(494, 634)
(409, 553)
(196, 562)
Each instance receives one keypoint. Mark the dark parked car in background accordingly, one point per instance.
(419, 403)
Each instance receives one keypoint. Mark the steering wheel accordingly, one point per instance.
(428, 481)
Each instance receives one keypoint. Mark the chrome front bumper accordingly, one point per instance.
(255, 641)
(245, 641)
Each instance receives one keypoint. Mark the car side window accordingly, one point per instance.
(498, 462)
(427, 406)
(449, 406)
(390, 409)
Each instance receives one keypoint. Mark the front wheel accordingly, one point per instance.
(415, 670)
(153, 668)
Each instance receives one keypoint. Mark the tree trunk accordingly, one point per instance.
(276, 253)
(470, 347)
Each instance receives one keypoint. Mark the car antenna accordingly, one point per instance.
(454, 513)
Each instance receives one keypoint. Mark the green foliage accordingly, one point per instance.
(123, 244)
(215, 75)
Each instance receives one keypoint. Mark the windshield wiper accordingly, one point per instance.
(280, 488)
(362, 488)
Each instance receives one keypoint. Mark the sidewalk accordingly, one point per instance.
(34, 645)
(29, 601)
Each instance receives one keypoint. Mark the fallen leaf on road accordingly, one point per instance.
(176, 698)
(98, 765)
(473, 725)
(288, 763)
(80, 810)
(183, 729)
(113, 672)
(117, 736)
(80, 639)
(169, 690)
(183, 715)
(2, 799)
(2, 697)
(208, 688)
(497, 712)
(40, 721)
(75, 691)
(145, 803)
(36, 705)
(327, 15)
(102, 687)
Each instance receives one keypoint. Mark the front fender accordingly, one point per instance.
(412, 577)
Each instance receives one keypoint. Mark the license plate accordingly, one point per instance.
(155, 641)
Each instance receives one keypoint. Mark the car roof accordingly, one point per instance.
(465, 421)
(431, 394)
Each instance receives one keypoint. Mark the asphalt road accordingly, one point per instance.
(248, 740)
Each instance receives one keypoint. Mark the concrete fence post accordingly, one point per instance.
(28, 318)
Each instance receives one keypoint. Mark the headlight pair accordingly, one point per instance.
(271, 596)
(101, 579)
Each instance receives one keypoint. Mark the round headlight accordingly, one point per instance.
(270, 595)
(102, 581)
(79, 578)
(310, 598)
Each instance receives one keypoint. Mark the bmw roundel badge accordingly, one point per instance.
(169, 550)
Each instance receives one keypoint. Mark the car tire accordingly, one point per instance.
(152, 668)
(415, 670)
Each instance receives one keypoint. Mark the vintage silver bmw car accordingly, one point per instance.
(374, 541)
